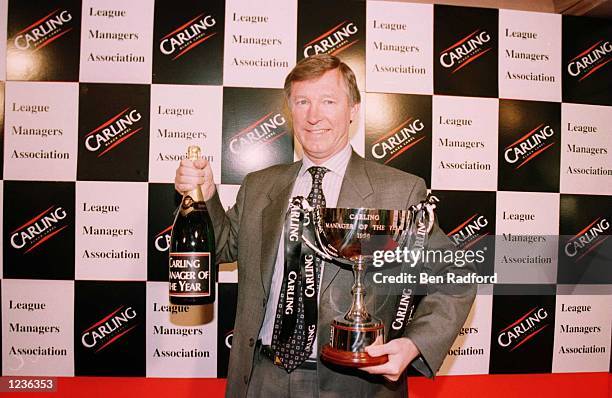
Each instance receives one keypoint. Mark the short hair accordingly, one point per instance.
(315, 66)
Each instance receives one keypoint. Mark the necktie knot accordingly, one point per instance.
(317, 172)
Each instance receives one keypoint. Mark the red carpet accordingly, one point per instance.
(591, 385)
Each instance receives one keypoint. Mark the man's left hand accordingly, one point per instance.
(401, 352)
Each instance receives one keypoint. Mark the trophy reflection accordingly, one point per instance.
(349, 237)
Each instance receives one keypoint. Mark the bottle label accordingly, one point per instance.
(190, 274)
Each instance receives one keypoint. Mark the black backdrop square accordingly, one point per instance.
(124, 157)
(398, 132)
(256, 132)
(334, 27)
(474, 74)
(585, 247)
(163, 202)
(468, 218)
(47, 209)
(121, 352)
(587, 82)
(537, 127)
(199, 58)
(228, 295)
(55, 56)
(531, 308)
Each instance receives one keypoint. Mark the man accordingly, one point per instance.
(323, 100)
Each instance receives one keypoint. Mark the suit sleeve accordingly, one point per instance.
(443, 311)
(227, 225)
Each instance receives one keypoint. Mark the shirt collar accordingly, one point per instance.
(336, 164)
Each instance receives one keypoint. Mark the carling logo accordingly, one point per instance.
(334, 41)
(39, 229)
(466, 50)
(265, 130)
(466, 234)
(523, 329)
(188, 36)
(113, 131)
(590, 60)
(529, 146)
(44, 31)
(587, 239)
(109, 329)
(162, 239)
(398, 140)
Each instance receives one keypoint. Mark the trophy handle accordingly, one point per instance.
(416, 214)
(315, 248)
(430, 206)
(312, 231)
(406, 232)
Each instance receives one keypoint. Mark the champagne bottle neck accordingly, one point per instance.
(193, 154)
(192, 200)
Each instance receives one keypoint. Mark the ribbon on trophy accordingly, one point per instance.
(422, 221)
(301, 274)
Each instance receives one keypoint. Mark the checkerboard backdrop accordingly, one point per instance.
(506, 115)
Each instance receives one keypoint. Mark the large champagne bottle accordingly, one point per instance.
(192, 249)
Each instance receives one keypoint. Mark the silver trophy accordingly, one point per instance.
(349, 237)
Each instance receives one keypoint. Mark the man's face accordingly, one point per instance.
(322, 114)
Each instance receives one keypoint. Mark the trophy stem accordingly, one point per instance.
(358, 311)
(357, 329)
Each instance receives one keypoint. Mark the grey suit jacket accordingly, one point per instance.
(250, 233)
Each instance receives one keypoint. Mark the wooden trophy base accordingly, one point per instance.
(350, 359)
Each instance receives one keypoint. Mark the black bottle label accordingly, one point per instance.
(190, 274)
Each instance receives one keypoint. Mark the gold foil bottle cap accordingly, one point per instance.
(193, 152)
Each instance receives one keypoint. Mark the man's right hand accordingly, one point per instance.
(191, 174)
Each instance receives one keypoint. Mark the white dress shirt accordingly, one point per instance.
(332, 181)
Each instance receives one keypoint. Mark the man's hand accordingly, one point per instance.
(191, 174)
(401, 352)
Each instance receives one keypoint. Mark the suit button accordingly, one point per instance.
(246, 380)
(251, 342)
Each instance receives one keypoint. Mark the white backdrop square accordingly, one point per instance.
(37, 327)
(582, 329)
(469, 353)
(529, 55)
(181, 116)
(464, 150)
(111, 231)
(117, 49)
(527, 235)
(399, 44)
(40, 130)
(260, 40)
(586, 151)
(179, 344)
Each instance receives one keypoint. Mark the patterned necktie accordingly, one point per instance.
(292, 353)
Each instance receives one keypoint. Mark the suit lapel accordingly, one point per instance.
(356, 191)
(272, 223)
